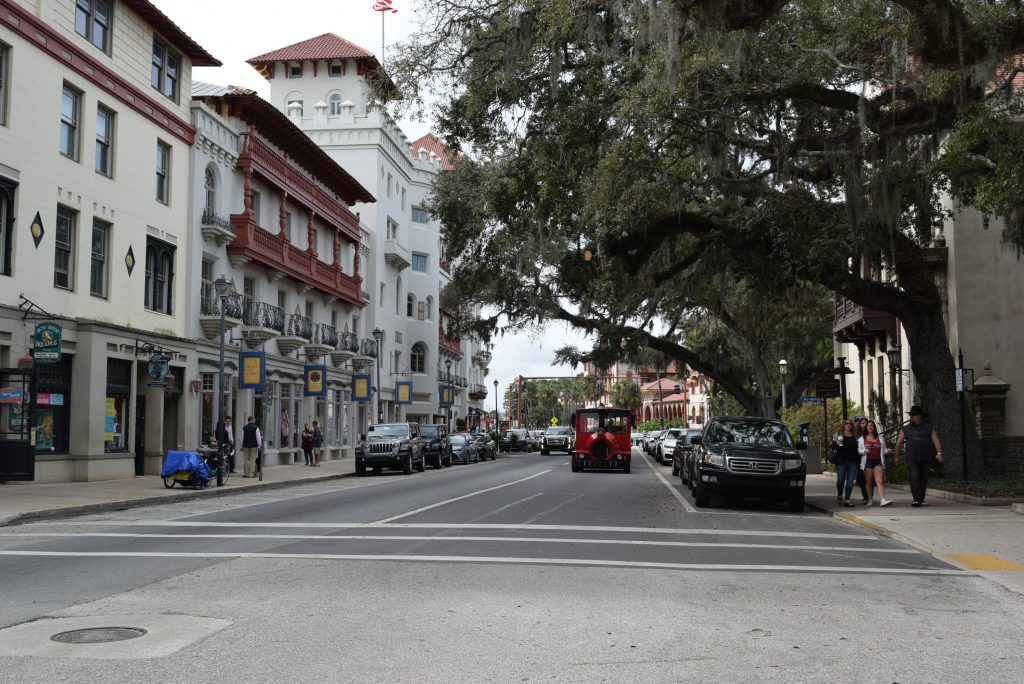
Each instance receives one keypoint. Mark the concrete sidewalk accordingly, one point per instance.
(23, 501)
(985, 539)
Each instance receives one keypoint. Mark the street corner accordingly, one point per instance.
(984, 561)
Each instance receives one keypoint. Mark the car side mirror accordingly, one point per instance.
(695, 439)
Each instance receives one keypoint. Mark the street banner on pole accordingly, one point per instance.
(254, 369)
(315, 381)
(360, 387)
(403, 392)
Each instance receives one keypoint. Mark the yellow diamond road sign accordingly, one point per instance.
(554, 421)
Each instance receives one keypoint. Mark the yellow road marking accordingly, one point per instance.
(984, 561)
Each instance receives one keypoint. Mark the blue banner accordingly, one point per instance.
(403, 392)
(315, 381)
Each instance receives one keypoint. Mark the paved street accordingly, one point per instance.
(514, 570)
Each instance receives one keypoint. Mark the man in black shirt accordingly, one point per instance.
(922, 442)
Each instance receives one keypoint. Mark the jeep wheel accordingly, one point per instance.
(422, 465)
(407, 467)
(360, 470)
(439, 463)
(448, 461)
(544, 452)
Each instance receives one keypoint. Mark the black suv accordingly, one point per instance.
(390, 445)
(556, 439)
(516, 439)
(751, 458)
(436, 447)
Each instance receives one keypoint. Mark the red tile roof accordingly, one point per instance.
(326, 46)
(431, 143)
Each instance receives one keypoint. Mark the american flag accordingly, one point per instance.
(383, 6)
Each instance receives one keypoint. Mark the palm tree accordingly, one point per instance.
(627, 395)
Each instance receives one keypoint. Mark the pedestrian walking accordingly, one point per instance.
(922, 442)
(229, 434)
(251, 442)
(860, 422)
(848, 452)
(318, 443)
(872, 462)
(307, 443)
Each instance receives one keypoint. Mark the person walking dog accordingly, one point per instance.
(251, 441)
(922, 441)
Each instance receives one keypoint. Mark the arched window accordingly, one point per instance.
(410, 304)
(335, 103)
(211, 193)
(430, 308)
(418, 358)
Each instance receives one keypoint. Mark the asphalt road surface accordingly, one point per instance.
(516, 570)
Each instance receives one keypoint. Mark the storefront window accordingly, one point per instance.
(206, 407)
(115, 410)
(284, 427)
(53, 406)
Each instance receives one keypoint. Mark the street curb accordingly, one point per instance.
(960, 498)
(185, 495)
(1017, 508)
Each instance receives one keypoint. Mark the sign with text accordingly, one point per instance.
(403, 392)
(253, 365)
(360, 387)
(315, 381)
(47, 343)
(828, 389)
(159, 365)
(447, 395)
(812, 400)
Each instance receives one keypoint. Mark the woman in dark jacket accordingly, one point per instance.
(848, 450)
(307, 443)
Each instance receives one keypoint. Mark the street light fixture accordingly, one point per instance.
(496, 425)
(782, 374)
(451, 395)
(378, 335)
(224, 288)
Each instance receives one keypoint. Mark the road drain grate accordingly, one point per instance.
(98, 635)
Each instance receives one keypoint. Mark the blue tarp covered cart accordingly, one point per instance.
(187, 468)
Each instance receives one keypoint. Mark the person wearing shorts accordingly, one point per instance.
(872, 462)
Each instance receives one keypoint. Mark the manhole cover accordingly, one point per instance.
(98, 635)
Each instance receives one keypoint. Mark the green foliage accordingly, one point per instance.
(626, 395)
(651, 425)
(815, 415)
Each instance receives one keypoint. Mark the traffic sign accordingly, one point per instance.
(554, 421)
(812, 400)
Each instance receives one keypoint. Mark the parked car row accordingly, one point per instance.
(742, 457)
(412, 446)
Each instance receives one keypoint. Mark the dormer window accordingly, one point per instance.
(295, 70)
(335, 70)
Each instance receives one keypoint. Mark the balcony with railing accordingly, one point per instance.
(253, 244)
(346, 348)
(397, 255)
(324, 340)
(449, 344)
(367, 349)
(210, 308)
(477, 391)
(861, 326)
(261, 321)
(298, 331)
(216, 228)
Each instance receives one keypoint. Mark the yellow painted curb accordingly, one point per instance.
(984, 561)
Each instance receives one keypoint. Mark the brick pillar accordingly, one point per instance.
(990, 404)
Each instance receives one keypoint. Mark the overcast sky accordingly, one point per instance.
(236, 30)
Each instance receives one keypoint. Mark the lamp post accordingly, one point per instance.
(224, 288)
(782, 374)
(378, 335)
(497, 427)
(451, 394)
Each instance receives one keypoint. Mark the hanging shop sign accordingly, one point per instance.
(315, 381)
(253, 365)
(47, 342)
(447, 396)
(159, 365)
(403, 392)
(360, 387)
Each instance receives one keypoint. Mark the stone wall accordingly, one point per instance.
(1004, 456)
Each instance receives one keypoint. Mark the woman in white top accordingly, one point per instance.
(872, 461)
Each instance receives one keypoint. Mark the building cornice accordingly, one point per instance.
(38, 33)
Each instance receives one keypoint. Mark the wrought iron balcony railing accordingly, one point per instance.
(211, 219)
(348, 342)
(296, 325)
(325, 334)
(210, 303)
(368, 347)
(262, 315)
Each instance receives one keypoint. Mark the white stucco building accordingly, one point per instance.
(322, 85)
(94, 229)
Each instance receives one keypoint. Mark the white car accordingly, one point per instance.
(668, 445)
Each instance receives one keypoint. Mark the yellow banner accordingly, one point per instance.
(252, 370)
(361, 388)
